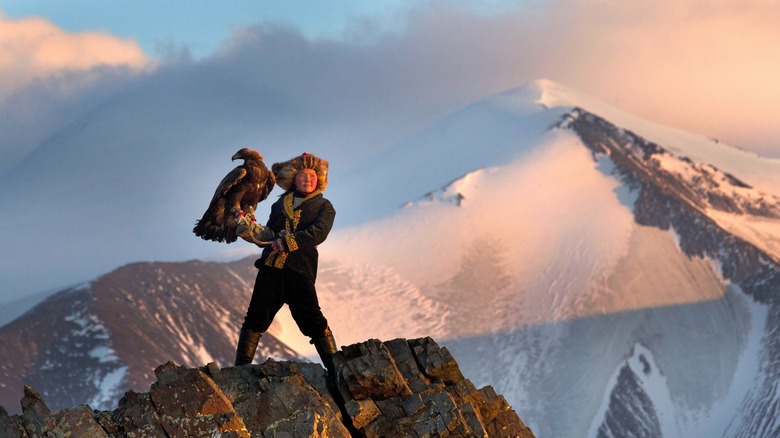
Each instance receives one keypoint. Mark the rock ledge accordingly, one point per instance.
(398, 388)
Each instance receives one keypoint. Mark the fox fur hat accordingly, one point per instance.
(285, 171)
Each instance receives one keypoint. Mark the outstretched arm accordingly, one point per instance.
(255, 233)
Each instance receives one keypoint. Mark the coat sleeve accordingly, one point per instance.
(316, 232)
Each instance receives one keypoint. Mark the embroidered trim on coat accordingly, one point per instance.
(293, 217)
(291, 213)
(292, 244)
(276, 259)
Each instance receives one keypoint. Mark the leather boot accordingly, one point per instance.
(247, 345)
(326, 348)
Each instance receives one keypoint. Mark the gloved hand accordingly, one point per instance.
(253, 232)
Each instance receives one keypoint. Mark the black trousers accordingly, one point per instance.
(277, 287)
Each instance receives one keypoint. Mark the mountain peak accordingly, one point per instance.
(396, 388)
(747, 166)
(547, 93)
(551, 94)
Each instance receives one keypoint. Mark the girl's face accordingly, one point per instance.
(306, 180)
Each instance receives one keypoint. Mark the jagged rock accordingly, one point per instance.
(38, 421)
(78, 422)
(137, 416)
(189, 403)
(435, 361)
(11, 426)
(361, 412)
(443, 402)
(370, 372)
(108, 422)
(36, 416)
(409, 388)
(282, 399)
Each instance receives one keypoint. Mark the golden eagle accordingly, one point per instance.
(237, 195)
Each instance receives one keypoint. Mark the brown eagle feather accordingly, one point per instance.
(238, 193)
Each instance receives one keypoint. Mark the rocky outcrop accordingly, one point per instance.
(398, 388)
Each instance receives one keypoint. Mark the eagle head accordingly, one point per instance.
(246, 154)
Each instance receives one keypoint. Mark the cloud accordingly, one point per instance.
(33, 48)
(698, 65)
(49, 76)
(704, 66)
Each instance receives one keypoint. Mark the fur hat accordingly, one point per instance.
(285, 171)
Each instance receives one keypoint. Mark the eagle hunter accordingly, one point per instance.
(237, 195)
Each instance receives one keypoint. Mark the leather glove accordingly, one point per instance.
(253, 232)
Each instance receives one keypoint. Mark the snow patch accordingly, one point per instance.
(763, 233)
(651, 380)
(458, 191)
(625, 194)
(107, 371)
(109, 387)
(104, 354)
(721, 420)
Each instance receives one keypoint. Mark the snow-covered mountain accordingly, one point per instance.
(626, 272)
(609, 276)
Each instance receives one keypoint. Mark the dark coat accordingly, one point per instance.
(308, 225)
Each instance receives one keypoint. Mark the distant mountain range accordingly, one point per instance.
(609, 276)
(92, 343)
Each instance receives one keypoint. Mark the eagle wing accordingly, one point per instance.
(267, 181)
(230, 181)
(239, 192)
(256, 188)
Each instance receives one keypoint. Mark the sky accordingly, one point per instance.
(705, 66)
(84, 79)
(200, 26)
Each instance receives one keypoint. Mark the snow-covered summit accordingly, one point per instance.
(761, 172)
(549, 94)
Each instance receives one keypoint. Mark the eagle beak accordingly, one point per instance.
(235, 157)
